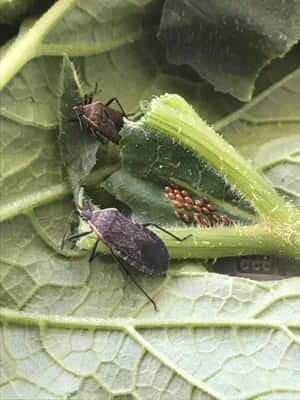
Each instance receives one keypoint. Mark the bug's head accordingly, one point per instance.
(78, 110)
(86, 212)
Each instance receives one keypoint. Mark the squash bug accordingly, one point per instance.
(133, 243)
(103, 121)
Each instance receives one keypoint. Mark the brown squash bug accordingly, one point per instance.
(103, 121)
(133, 243)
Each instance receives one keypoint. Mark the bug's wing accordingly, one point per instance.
(115, 116)
(153, 256)
(103, 119)
(138, 246)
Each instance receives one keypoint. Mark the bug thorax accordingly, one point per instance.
(78, 110)
(86, 214)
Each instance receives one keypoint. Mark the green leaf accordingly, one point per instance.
(31, 98)
(271, 124)
(78, 148)
(141, 180)
(91, 29)
(166, 158)
(210, 333)
(70, 329)
(11, 11)
(228, 43)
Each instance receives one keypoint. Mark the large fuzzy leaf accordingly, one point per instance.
(228, 42)
(70, 329)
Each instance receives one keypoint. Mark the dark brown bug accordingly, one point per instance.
(103, 121)
(133, 243)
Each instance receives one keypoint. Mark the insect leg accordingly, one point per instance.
(119, 104)
(133, 280)
(77, 235)
(66, 228)
(93, 252)
(88, 98)
(164, 230)
(79, 120)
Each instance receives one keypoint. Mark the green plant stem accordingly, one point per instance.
(26, 46)
(171, 115)
(229, 241)
(278, 231)
(218, 242)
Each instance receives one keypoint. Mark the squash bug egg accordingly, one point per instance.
(187, 199)
(177, 203)
(187, 206)
(178, 197)
(186, 218)
(197, 219)
(224, 220)
(205, 210)
(216, 218)
(177, 214)
(210, 207)
(171, 196)
(205, 222)
(184, 193)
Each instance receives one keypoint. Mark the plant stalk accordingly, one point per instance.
(26, 45)
(171, 115)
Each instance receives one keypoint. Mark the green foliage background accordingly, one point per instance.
(79, 331)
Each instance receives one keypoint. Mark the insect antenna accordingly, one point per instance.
(97, 90)
(133, 280)
(67, 226)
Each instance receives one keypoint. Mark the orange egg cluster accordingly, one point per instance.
(200, 211)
